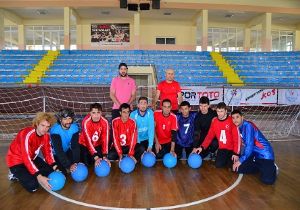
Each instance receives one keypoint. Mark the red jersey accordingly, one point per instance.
(94, 134)
(26, 147)
(164, 125)
(226, 132)
(169, 91)
(124, 134)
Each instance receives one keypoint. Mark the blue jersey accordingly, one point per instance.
(254, 142)
(65, 135)
(185, 133)
(145, 125)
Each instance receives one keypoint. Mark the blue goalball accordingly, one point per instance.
(169, 160)
(103, 169)
(195, 160)
(80, 173)
(57, 180)
(148, 159)
(127, 165)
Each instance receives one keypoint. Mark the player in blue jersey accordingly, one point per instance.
(144, 118)
(257, 155)
(185, 133)
(64, 140)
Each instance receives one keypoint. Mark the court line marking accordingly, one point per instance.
(237, 181)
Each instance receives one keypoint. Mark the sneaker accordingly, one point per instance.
(277, 169)
(213, 157)
(11, 176)
(207, 157)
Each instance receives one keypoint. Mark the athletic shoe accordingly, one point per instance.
(11, 176)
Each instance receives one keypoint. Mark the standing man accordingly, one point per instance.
(258, 155)
(185, 134)
(64, 140)
(165, 130)
(124, 135)
(226, 132)
(94, 137)
(202, 124)
(169, 89)
(144, 118)
(122, 90)
(22, 157)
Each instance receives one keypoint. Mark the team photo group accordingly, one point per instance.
(166, 126)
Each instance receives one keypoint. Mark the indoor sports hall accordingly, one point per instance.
(64, 54)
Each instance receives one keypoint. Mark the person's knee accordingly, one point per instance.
(268, 181)
(31, 186)
(112, 156)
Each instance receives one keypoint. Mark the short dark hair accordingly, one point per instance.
(123, 64)
(143, 98)
(124, 106)
(221, 105)
(96, 106)
(185, 103)
(166, 100)
(236, 111)
(204, 100)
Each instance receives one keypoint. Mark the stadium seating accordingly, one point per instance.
(16, 64)
(266, 68)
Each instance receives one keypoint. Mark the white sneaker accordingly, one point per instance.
(11, 176)
(277, 169)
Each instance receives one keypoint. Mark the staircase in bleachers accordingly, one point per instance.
(266, 68)
(99, 67)
(16, 64)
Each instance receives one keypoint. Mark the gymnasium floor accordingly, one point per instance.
(161, 188)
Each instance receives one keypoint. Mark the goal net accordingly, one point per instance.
(18, 106)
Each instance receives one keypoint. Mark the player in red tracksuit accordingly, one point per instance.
(227, 134)
(124, 135)
(94, 137)
(22, 157)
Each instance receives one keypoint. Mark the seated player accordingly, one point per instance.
(185, 133)
(64, 140)
(22, 158)
(124, 135)
(226, 132)
(165, 130)
(144, 118)
(258, 155)
(94, 137)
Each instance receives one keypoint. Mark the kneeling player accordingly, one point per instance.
(258, 155)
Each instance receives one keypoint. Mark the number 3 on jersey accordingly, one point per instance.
(223, 137)
(123, 139)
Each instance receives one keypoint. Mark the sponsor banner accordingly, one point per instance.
(289, 96)
(244, 97)
(110, 34)
(192, 94)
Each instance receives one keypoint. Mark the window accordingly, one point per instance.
(255, 40)
(282, 40)
(11, 37)
(48, 37)
(165, 40)
(225, 39)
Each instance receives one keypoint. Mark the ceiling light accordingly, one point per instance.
(167, 13)
(41, 12)
(229, 15)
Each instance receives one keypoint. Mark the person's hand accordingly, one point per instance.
(173, 153)
(44, 181)
(149, 150)
(73, 167)
(197, 150)
(97, 162)
(235, 158)
(236, 166)
(133, 158)
(157, 147)
(108, 162)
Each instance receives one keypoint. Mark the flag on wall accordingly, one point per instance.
(110, 34)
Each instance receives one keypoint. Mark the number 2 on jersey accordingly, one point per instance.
(223, 137)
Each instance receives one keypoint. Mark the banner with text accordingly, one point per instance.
(289, 96)
(192, 94)
(110, 34)
(244, 97)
